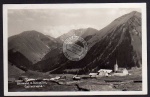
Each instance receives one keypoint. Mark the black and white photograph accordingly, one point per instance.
(75, 49)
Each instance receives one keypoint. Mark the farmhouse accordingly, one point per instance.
(104, 72)
(76, 77)
(93, 74)
(101, 72)
(26, 79)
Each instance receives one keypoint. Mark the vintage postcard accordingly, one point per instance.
(75, 49)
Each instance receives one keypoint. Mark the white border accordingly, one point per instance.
(86, 5)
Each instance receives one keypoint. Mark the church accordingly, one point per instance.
(120, 71)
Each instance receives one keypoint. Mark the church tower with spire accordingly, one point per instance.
(116, 67)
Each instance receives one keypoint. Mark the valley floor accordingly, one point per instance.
(115, 83)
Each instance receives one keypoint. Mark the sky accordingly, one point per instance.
(55, 22)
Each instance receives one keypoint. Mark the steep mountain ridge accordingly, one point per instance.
(114, 25)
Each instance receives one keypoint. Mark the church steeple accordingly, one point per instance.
(116, 67)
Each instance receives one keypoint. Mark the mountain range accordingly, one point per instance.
(120, 42)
